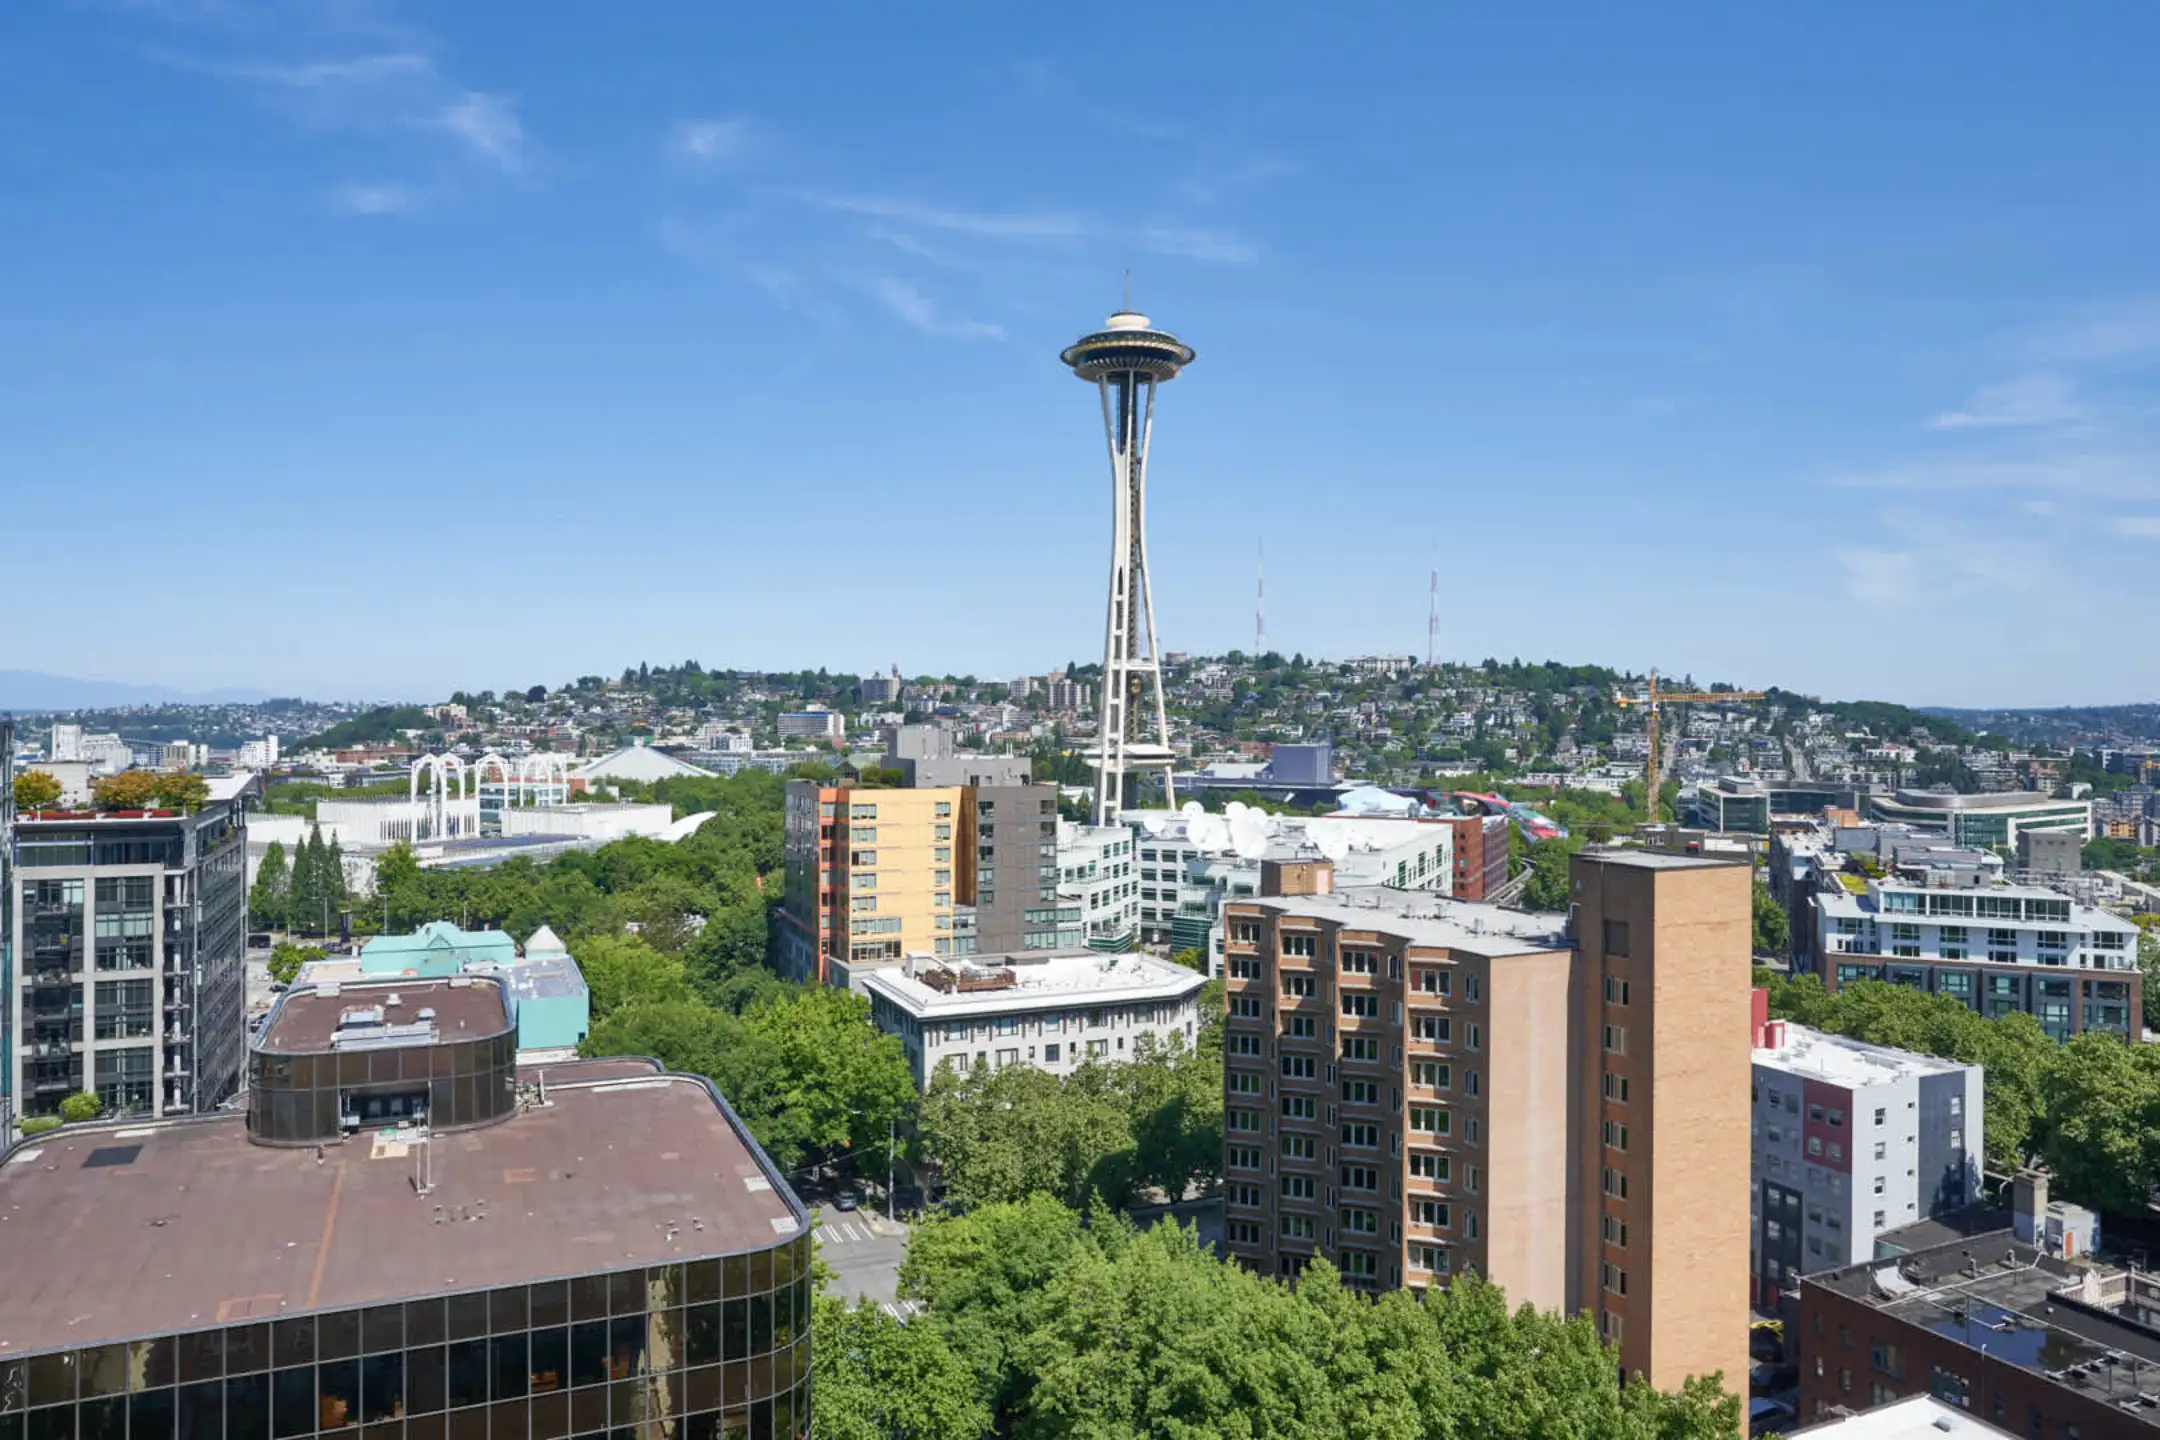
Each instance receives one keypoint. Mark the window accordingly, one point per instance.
(1432, 1028)
(1360, 1005)
(1360, 1047)
(1298, 1067)
(1299, 1147)
(1297, 987)
(1950, 1388)
(1244, 968)
(1298, 945)
(1361, 1222)
(1616, 1183)
(1814, 1144)
(1246, 1045)
(1613, 1278)
(1242, 1157)
(862, 812)
(1360, 1177)
(1616, 1089)
(1243, 1232)
(1427, 1165)
(1878, 1184)
(1294, 1107)
(1429, 1119)
(1360, 1092)
(1244, 1082)
(1616, 1039)
(1432, 1213)
(1360, 962)
(1615, 1135)
(1429, 982)
(1878, 1116)
(1297, 1227)
(1616, 991)
(1615, 1231)
(1245, 1197)
(1298, 1187)
(1243, 1120)
(1616, 939)
(1302, 1027)
(1885, 1360)
(1429, 1075)
(1361, 1137)
(1882, 1149)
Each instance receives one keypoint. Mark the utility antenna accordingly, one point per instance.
(1259, 613)
(1432, 614)
(1128, 287)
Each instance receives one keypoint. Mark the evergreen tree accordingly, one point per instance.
(270, 900)
(334, 878)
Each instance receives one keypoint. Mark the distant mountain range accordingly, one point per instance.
(2064, 725)
(25, 691)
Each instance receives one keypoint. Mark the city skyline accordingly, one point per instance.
(544, 345)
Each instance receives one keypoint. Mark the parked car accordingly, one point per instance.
(1765, 1417)
(846, 1200)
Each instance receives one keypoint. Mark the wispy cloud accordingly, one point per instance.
(989, 225)
(347, 66)
(317, 74)
(2028, 401)
(2101, 335)
(1880, 577)
(489, 125)
(375, 199)
(2138, 527)
(922, 250)
(711, 142)
(1215, 182)
(1196, 244)
(909, 305)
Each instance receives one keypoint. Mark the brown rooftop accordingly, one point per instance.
(118, 1232)
(465, 1009)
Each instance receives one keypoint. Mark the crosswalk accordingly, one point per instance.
(902, 1309)
(844, 1232)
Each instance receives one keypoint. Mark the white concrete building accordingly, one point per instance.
(1096, 876)
(1849, 1140)
(592, 822)
(1190, 861)
(257, 754)
(813, 724)
(1998, 948)
(1053, 1012)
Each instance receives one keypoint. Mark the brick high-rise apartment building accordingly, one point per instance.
(1416, 1088)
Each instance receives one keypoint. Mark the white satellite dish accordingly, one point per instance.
(1248, 835)
(1233, 810)
(1192, 807)
(1331, 843)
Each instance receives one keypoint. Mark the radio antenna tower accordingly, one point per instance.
(1259, 608)
(1432, 616)
(1125, 361)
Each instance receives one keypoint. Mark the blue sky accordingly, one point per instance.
(365, 348)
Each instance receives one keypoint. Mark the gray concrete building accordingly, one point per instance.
(128, 942)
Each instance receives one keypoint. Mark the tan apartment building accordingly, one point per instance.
(1418, 1088)
(870, 877)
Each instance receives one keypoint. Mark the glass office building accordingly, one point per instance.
(609, 1253)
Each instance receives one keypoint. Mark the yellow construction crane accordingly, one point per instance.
(1653, 778)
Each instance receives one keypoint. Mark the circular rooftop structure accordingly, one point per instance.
(1127, 345)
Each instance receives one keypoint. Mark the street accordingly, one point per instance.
(864, 1250)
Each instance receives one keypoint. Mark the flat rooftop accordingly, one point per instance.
(1425, 918)
(1917, 1417)
(1088, 977)
(117, 1232)
(2014, 1308)
(303, 1021)
(1816, 1055)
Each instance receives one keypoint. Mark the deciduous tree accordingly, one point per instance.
(128, 790)
(36, 790)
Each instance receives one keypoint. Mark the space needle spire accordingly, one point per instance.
(1125, 361)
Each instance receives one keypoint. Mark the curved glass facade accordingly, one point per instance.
(309, 1098)
(690, 1351)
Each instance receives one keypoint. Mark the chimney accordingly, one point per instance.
(1297, 877)
(2028, 1205)
(1759, 1005)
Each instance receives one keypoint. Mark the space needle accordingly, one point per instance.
(1125, 361)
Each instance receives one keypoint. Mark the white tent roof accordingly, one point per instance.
(637, 762)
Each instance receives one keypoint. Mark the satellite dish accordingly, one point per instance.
(1332, 843)
(1208, 832)
(1192, 807)
(1233, 810)
(1154, 822)
(1248, 835)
